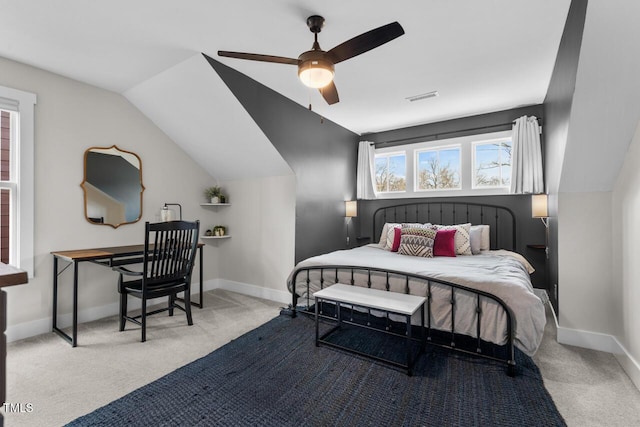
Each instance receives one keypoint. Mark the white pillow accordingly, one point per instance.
(475, 236)
(485, 243)
(462, 239)
(384, 236)
(480, 238)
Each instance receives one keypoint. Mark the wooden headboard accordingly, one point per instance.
(501, 220)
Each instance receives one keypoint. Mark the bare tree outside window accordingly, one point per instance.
(391, 173)
(493, 164)
(439, 169)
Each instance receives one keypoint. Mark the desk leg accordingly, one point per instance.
(74, 340)
(55, 294)
(201, 258)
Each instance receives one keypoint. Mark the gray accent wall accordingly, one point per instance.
(557, 111)
(322, 154)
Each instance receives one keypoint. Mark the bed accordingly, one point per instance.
(484, 294)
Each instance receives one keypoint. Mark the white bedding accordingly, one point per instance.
(499, 273)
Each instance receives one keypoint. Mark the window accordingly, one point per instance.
(438, 169)
(7, 184)
(469, 165)
(492, 163)
(391, 172)
(16, 178)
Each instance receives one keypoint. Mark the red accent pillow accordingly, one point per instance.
(397, 234)
(445, 243)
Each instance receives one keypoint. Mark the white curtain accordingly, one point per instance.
(526, 159)
(365, 174)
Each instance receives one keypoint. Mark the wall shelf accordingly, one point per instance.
(211, 239)
(226, 236)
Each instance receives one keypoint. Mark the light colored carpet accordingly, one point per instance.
(589, 387)
(63, 383)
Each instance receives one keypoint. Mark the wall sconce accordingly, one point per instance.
(540, 208)
(351, 208)
(350, 211)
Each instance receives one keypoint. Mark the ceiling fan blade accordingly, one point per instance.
(330, 93)
(366, 41)
(258, 57)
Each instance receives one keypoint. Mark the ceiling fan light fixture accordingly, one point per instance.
(316, 66)
(316, 73)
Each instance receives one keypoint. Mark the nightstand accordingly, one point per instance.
(538, 258)
(363, 240)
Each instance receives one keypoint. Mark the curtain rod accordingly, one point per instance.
(437, 135)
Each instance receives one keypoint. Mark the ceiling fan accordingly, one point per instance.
(316, 66)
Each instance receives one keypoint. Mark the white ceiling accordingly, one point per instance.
(605, 111)
(194, 107)
(481, 56)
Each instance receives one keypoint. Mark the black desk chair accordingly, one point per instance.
(169, 255)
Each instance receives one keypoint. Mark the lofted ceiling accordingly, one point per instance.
(481, 56)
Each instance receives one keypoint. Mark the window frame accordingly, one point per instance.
(474, 144)
(416, 155)
(388, 155)
(23, 176)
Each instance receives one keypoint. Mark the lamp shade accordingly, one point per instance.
(539, 207)
(351, 208)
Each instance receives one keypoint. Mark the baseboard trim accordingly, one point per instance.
(629, 364)
(587, 339)
(276, 295)
(601, 342)
(42, 326)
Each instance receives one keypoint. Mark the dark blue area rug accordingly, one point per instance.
(275, 376)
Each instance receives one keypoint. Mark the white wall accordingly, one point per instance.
(69, 118)
(585, 261)
(626, 255)
(594, 211)
(605, 107)
(261, 221)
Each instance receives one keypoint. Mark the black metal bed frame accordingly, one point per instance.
(414, 278)
(501, 221)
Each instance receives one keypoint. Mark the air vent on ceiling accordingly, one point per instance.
(422, 96)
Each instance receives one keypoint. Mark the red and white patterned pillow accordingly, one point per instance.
(462, 239)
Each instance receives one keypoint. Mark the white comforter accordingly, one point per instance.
(499, 273)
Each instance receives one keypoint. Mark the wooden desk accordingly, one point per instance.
(108, 257)
(9, 276)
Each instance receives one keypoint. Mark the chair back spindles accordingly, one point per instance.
(169, 254)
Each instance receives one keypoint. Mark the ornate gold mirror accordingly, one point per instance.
(112, 186)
